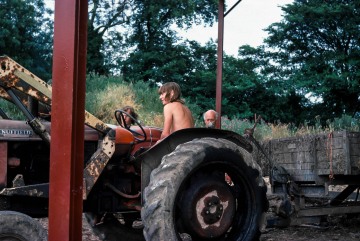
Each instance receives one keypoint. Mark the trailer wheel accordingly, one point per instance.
(15, 226)
(207, 189)
(111, 229)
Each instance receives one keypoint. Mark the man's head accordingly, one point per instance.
(210, 118)
(130, 110)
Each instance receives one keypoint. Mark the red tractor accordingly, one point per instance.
(176, 189)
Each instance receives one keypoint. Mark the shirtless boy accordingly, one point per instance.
(176, 115)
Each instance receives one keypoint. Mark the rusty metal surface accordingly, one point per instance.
(98, 162)
(95, 123)
(13, 75)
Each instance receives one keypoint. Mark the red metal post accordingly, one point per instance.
(3, 164)
(67, 120)
(219, 61)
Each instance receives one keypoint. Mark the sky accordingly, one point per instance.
(243, 25)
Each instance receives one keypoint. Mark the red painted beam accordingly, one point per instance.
(220, 61)
(3, 164)
(67, 120)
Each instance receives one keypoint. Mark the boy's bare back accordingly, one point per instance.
(181, 116)
(176, 116)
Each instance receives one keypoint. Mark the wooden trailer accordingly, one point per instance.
(311, 176)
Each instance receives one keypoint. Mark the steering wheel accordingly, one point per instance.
(120, 118)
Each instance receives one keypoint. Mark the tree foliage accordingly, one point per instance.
(140, 35)
(318, 49)
(105, 39)
(265, 89)
(26, 34)
(157, 56)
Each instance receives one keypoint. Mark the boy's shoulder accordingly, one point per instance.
(172, 104)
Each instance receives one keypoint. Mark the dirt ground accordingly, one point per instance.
(87, 233)
(340, 228)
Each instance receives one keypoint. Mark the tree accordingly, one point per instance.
(157, 56)
(318, 49)
(26, 34)
(199, 81)
(107, 19)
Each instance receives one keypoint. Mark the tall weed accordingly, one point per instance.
(266, 131)
(261, 130)
(113, 97)
(150, 113)
(102, 100)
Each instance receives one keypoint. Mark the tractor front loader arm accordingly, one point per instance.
(17, 81)
(16, 77)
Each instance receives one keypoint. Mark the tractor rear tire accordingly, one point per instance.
(15, 226)
(206, 189)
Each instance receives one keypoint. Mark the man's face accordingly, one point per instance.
(210, 119)
(127, 118)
